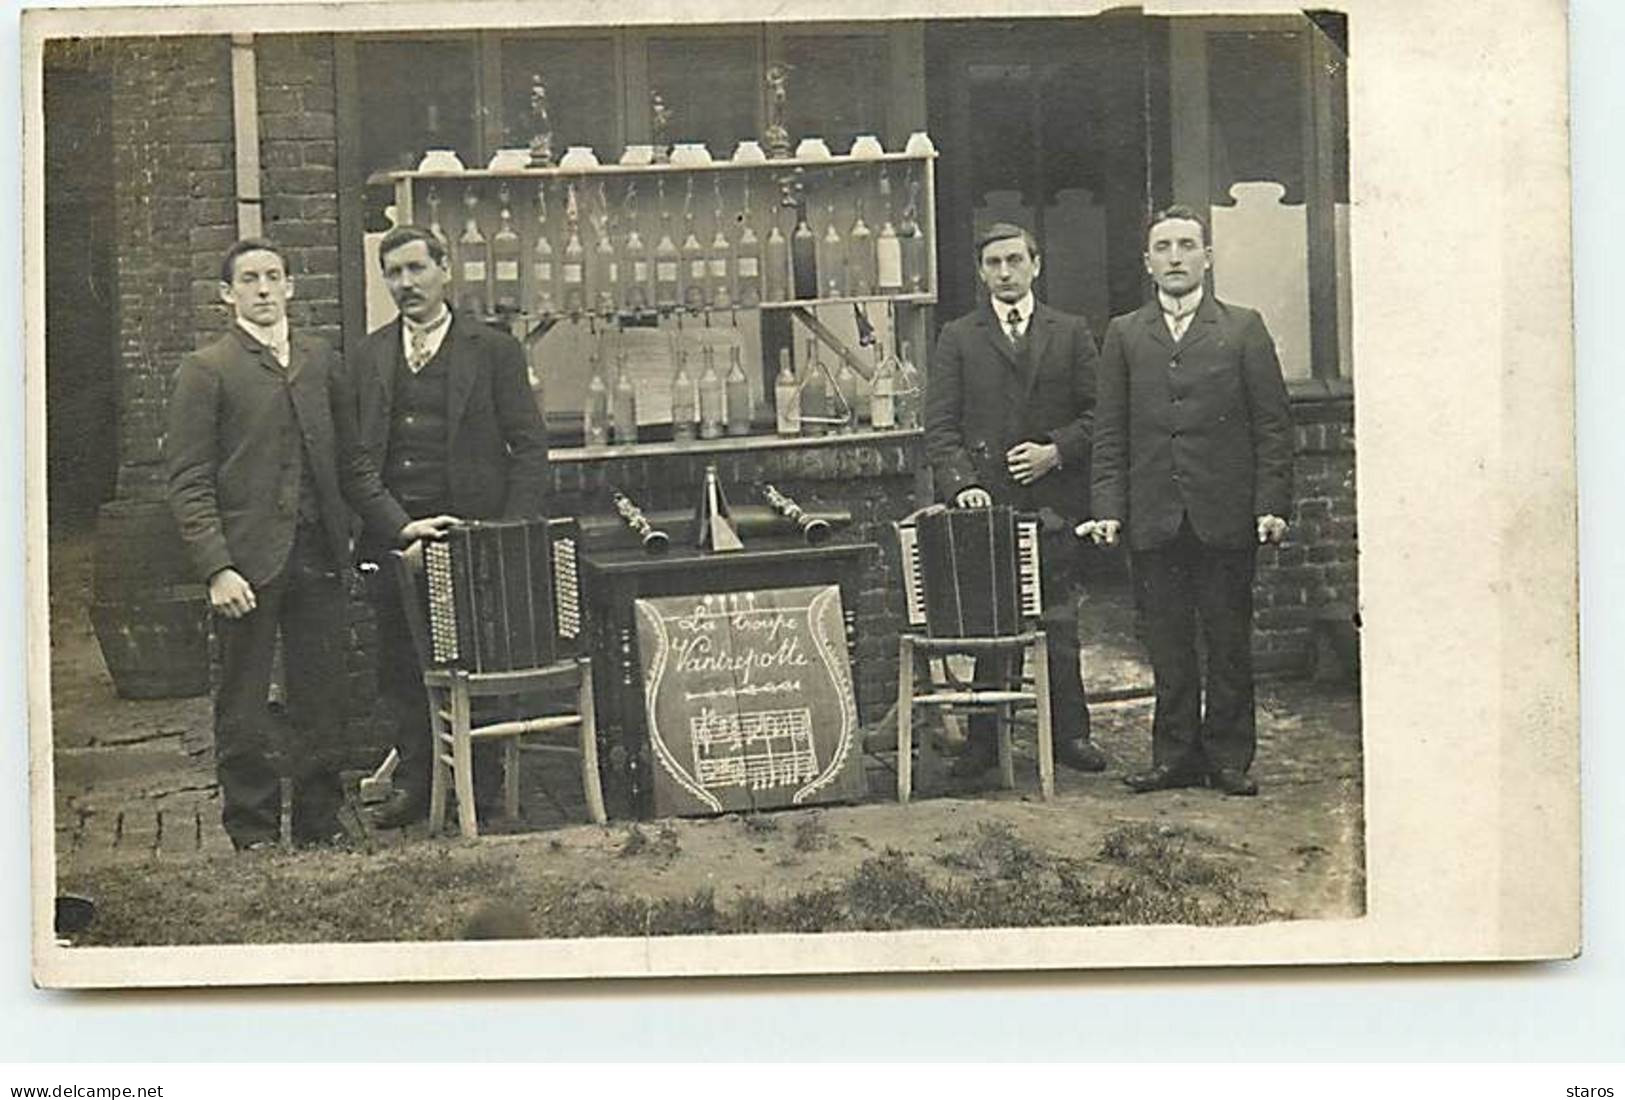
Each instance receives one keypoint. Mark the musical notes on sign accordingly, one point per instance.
(759, 749)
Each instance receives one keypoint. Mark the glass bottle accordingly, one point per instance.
(846, 381)
(505, 258)
(682, 401)
(883, 393)
(543, 292)
(748, 262)
(473, 254)
(713, 399)
(666, 259)
(913, 243)
(606, 268)
(695, 268)
(816, 399)
(738, 394)
(860, 256)
(624, 405)
(775, 262)
(831, 258)
(573, 270)
(909, 392)
(803, 256)
(786, 397)
(435, 227)
(635, 275)
(595, 412)
(888, 249)
(719, 293)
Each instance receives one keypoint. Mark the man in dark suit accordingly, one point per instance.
(1009, 406)
(1193, 452)
(257, 484)
(444, 407)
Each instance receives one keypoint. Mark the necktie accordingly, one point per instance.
(1178, 322)
(418, 354)
(1013, 327)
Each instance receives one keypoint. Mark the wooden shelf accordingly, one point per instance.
(728, 444)
(556, 172)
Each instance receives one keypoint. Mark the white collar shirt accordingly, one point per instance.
(274, 337)
(433, 334)
(1177, 312)
(1023, 309)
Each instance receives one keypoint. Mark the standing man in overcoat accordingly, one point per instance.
(258, 481)
(1008, 420)
(1193, 455)
(444, 407)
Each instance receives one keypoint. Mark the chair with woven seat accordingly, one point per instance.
(451, 692)
(974, 589)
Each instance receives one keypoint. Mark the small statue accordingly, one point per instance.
(541, 146)
(776, 138)
(660, 127)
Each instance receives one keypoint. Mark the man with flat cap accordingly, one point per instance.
(1009, 414)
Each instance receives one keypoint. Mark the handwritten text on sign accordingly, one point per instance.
(749, 700)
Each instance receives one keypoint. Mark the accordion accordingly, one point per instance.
(971, 572)
(504, 595)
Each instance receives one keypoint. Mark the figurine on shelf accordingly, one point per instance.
(541, 144)
(776, 137)
(660, 127)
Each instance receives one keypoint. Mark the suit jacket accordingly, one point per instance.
(496, 445)
(1199, 428)
(980, 402)
(233, 495)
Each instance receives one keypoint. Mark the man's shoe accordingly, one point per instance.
(401, 810)
(1233, 781)
(264, 845)
(1163, 777)
(1081, 755)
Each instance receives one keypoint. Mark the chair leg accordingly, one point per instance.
(510, 778)
(905, 718)
(462, 760)
(591, 783)
(1046, 732)
(1007, 765)
(438, 738)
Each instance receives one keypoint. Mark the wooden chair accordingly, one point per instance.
(941, 688)
(451, 692)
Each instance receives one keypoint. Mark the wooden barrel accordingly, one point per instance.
(150, 615)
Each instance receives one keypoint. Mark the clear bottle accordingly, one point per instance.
(786, 397)
(624, 405)
(748, 257)
(435, 228)
(738, 394)
(803, 256)
(860, 256)
(606, 267)
(883, 393)
(775, 262)
(817, 402)
(695, 269)
(683, 406)
(713, 399)
(719, 291)
(667, 262)
(888, 249)
(505, 259)
(573, 270)
(846, 381)
(910, 394)
(635, 284)
(473, 261)
(595, 411)
(543, 290)
(831, 258)
(913, 244)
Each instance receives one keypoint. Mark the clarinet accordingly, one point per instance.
(654, 541)
(813, 529)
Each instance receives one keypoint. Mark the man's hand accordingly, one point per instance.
(1028, 462)
(1271, 529)
(430, 527)
(973, 498)
(230, 594)
(1102, 532)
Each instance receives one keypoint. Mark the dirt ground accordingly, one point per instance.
(134, 792)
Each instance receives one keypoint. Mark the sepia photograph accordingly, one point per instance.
(847, 494)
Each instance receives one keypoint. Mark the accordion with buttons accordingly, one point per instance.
(504, 595)
(971, 572)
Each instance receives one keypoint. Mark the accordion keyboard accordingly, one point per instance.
(1027, 570)
(908, 540)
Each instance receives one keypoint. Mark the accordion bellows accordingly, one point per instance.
(504, 595)
(971, 572)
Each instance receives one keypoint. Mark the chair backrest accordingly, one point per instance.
(970, 572)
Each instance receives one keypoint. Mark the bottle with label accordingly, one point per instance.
(786, 397)
(543, 293)
(720, 293)
(666, 260)
(695, 269)
(435, 228)
(888, 249)
(817, 403)
(595, 411)
(803, 256)
(635, 273)
(683, 408)
(473, 261)
(738, 387)
(573, 270)
(624, 405)
(846, 381)
(713, 399)
(748, 257)
(883, 393)
(831, 257)
(910, 394)
(860, 256)
(606, 267)
(913, 243)
(775, 261)
(505, 259)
